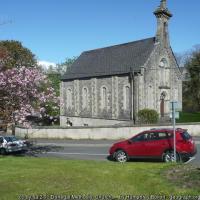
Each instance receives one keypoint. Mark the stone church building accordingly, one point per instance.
(110, 85)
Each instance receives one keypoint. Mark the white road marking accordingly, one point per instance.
(86, 154)
(190, 160)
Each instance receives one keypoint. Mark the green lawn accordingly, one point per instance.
(189, 117)
(20, 175)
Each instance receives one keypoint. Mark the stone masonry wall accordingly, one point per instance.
(115, 98)
(151, 83)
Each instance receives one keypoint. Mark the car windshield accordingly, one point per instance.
(186, 135)
(11, 139)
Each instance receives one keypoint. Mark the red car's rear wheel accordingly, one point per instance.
(168, 156)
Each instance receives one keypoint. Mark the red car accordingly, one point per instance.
(155, 143)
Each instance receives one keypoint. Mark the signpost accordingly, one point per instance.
(174, 107)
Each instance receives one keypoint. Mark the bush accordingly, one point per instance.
(148, 116)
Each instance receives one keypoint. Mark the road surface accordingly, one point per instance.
(83, 149)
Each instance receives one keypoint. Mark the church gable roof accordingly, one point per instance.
(113, 60)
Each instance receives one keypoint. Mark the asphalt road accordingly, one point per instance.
(197, 156)
(83, 149)
(74, 149)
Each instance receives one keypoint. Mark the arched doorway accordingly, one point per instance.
(162, 104)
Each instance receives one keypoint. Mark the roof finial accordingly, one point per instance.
(163, 4)
(162, 9)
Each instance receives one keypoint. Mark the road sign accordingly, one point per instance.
(177, 106)
(176, 115)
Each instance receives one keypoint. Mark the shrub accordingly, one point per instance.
(148, 116)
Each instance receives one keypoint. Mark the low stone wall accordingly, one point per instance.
(96, 132)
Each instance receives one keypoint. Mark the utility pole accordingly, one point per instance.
(175, 107)
(174, 127)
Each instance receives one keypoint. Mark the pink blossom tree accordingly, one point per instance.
(23, 92)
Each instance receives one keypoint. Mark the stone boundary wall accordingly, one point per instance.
(109, 132)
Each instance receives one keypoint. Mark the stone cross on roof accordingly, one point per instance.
(162, 9)
(163, 15)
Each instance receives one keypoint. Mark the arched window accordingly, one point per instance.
(150, 97)
(69, 98)
(127, 97)
(104, 97)
(164, 72)
(85, 97)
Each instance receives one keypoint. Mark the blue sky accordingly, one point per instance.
(56, 29)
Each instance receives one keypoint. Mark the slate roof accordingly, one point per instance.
(113, 60)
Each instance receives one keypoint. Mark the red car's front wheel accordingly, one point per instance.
(121, 156)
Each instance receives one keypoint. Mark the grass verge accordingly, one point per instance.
(185, 176)
(189, 117)
(42, 176)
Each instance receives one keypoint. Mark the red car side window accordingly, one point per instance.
(158, 135)
(139, 138)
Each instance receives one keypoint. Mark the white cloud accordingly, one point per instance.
(46, 64)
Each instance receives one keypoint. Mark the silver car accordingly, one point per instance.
(9, 144)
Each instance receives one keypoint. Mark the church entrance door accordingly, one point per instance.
(162, 107)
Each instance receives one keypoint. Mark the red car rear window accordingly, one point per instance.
(186, 136)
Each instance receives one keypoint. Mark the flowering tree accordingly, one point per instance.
(23, 92)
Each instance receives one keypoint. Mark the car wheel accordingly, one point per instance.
(2, 151)
(169, 157)
(121, 156)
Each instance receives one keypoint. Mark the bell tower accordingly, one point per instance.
(163, 15)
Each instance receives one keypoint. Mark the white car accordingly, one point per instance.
(9, 144)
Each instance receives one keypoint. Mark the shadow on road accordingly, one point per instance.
(34, 151)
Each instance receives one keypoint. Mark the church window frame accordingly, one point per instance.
(150, 98)
(164, 72)
(69, 97)
(126, 97)
(85, 97)
(104, 97)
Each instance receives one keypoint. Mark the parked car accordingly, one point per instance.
(155, 143)
(9, 144)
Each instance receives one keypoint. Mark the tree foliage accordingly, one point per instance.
(25, 92)
(66, 65)
(54, 74)
(24, 89)
(14, 55)
(191, 90)
(54, 79)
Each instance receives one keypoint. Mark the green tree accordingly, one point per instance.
(14, 54)
(54, 78)
(63, 67)
(54, 74)
(191, 91)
